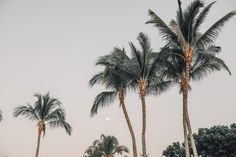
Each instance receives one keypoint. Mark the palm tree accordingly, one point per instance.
(117, 86)
(93, 150)
(0, 115)
(107, 146)
(147, 77)
(46, 111)
(142, 73)
(183, 34)
(202, 63)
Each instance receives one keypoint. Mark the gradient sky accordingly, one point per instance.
(52, 45)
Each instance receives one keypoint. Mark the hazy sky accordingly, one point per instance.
(52, 45)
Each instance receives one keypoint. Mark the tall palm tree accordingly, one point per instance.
(142, 72)
(46, 111)
(147, 77)
(183, 33)
(203, 63)
(107, 146)
(117, 85)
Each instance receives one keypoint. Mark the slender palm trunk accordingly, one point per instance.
(38, 143)
(185, 101)
(121, 97)
(142, 95)
(186, 146)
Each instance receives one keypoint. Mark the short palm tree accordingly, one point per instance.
(93, 150)
(107, 146)
(46, 111)
(183, 33)
(117, 85)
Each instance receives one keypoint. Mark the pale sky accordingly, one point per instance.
(52, 45)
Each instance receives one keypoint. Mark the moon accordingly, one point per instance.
(107, 118)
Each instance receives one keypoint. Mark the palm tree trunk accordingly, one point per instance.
(121, 97)
(186, 146)
(194, 148)
(144, 126)
(142, 95)
(38, 143)
(185, 104)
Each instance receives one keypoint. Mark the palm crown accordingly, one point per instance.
(107, 146)
(46, 111)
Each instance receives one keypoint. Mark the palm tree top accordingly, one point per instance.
(184, 31)
(105, 146)
(47, 110)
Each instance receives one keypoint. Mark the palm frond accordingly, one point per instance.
(57, 114)
(51, 105)
(101, 100)
(189, 16)
(136, 57)
(201, 17)
(212, 33)
(120, 149)
(207, 64)
(96, 79)
(61, 123)
(144, 42)
(165, 31)
(177, 29)
(179, 13)
(38, 104)
(27, 111)
(158, 87)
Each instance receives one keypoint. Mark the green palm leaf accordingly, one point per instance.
(211, 34)
(101, 100)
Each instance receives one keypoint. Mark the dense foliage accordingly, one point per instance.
(217, 141)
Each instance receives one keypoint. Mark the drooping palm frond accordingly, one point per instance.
(158, 87)
(212, 33)
(101, 100)
(120, 149)
(206, 64)
(96, 79)
(61, 123)
(56, 114)
(27, 111)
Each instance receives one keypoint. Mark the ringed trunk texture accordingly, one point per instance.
(38, 143)
(188, 58)
(142, 95)
(121, 97)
